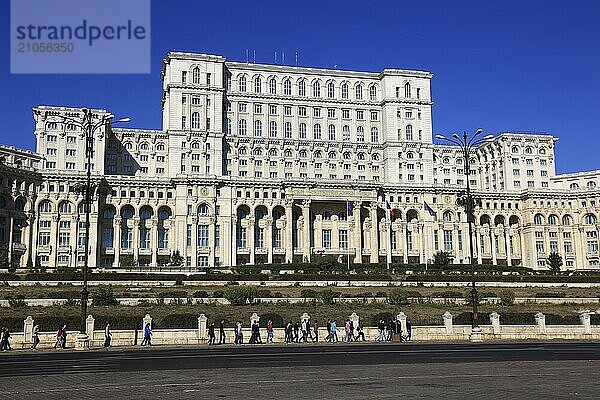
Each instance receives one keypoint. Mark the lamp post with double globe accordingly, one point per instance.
(467, 145)
(90, 122)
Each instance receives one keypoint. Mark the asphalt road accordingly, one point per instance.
(488, 370)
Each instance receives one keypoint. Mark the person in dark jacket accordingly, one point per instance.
(222, 332)
(211, 333)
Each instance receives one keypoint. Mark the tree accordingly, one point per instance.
(104, 296)
(398, 296)
(239, 296)
(442, 260)
(328, 296)
(176, 259)
(325, 262)
(127, 260)
(507, 298)
(554, 262)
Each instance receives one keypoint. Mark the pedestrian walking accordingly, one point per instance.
(147, 335)
(5, 339)
(64, 336)
(35, 337)
(334, 336)
(59, 338)
(328, 338)
(408, 330)
(239, 336)
(270, 331)
(296, 331)
(222, 332)
(211, 333)
(304, 331)
(107, 336)
(346, 337)
(381, 331)
(288, 332)
(315, 338)
(360, 332)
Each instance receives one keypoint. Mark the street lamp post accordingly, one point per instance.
(466, 200)
(89, 126)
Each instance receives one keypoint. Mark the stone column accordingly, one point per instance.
(212, 232)
(374, 233)
(28, 329)
(357, 232)
(53, 235)
(10, 240)
(493, 239)
(305, 317)
(154, 241)
(250, 239)
(422, 247)
(135, 238)
(93, 245)
(586, 322)
(448, 323)
(202, 326)
(495, 320)
(306, 230)
(89, 326)
(388, 233)
(269, 239)
(402, 318)
(507, 244)
(477, 246)
(254, 318)
(233, 240)
(540, 320)
(194, 246)
(288, 232)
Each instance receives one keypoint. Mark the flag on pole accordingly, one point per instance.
(349, 207)
(387, 205)
(428, 209)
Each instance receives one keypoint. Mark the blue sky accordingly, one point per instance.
(527, 65)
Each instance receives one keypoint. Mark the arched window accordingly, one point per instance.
(242, 151)
(589, 219)
(373, 93)
(538, 219)
(145, 213)
(81, 208)
(144, 146)
(287, 130)
(332, 155)
(257, 151)
(109, 213)
(591, 185)
(552, 220)
(407, 91)
(317, 131)
(375, 157)
(528, 150)
(326, 215)
(196, 76)
(574, 186)
(272, 86)
(346, 133)
(195, 145)
(128, 146)
(287, 87)
(242, 127)
(302, 130)
(410, 155)
(203, 210)
(542, 151)
(567, 220)
(127, 213)
(273, 129)
(316, 89)
(195, 120)
(302, 154)
(273, 153)
(164, 214)
(258, 128)
(287, 153)
(514, 149)
(360, 134)
(331, 132)
(302, 88)
(317, 154)
(257, 84)
(361, 156)
(374, 135)
(242, 83)
(409, 132)
(346, 156)
(344, 90)
(446, 160)
(160, 147)
(64, 207)
(447, 216)
(45, 206)
(358, 92)
(330, 90)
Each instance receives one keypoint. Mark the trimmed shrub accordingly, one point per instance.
(264, 293)
(104, 296)
(218, 293)
(179, 321)
(308, 293)
(328, 296)
(242, 295)
(200, 294)
(16, 301)
(397, 296)
(507, 298)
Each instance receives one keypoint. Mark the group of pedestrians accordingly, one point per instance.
(5, 339)
(61, 338)
(300, 331)
(392, 330)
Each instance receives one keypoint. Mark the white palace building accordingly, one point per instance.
(259, 164)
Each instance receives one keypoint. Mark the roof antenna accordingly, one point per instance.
(275, 56)
(296, 59)
(247, 56)
(283, 58)
(254, 58)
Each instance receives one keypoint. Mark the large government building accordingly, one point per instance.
(259, 164)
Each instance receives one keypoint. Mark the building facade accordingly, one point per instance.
(259, 164)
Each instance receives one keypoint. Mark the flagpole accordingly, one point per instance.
(348, 238)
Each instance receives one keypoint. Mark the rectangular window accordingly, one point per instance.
(539, 246)
(202, 235)
(126, 238)
(217, 235)
(81, 239)
(409, 242)
(343, 239)
(188, 235)
(163, 238)
(447, 240)
(259, 240)
(327, 238)
(203, 261)
(241, 237)
(44, 239)
(277, 238)
(63, 239)
(144, 238)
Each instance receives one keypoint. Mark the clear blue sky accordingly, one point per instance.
(500, 65)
